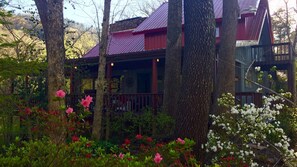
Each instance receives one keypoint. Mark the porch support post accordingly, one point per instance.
(71, 81)
(154, 94)
(292, 80)
(154, 77)
(75, 87)
(108, 109)
(108, 76)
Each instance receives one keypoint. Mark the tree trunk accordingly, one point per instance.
(197, 72)
(226, 65)
(225, 79)
(101, 80)
(173, 57)
(51, 15)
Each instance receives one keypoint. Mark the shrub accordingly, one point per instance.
(249, 135)
(83, 152)
(127, 124)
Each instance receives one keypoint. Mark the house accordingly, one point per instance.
(136, 56)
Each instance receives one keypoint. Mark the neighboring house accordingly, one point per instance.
(136, 56)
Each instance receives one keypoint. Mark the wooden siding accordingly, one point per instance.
(155, 41)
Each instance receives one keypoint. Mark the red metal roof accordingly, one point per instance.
(255, 24)
(158, 19)
(132, 41)
(121, 42)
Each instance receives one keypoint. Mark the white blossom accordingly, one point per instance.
(258, 68)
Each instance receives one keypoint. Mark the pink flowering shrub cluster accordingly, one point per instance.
(66, 121)
(141, 151)
(174, 153)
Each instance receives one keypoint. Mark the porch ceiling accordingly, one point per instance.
(126, 57)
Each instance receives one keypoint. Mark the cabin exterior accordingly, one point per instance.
(136, 58)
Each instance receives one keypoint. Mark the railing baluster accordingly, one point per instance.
(271, 53)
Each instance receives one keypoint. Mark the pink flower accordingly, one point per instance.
(127, 142)
(149, 139)
(138, 137)
(180, 141)
(87, 101)
(121, 155)
(89, 98)
(60, 94)
(75, 138)
(28, 111)
(158, 158)
(88, 155)
(69, 110)
(88, 145)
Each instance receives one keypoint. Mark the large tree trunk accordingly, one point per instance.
(173, 57)
(101, 80)
(51, 15)
(225, 79)
(197, 72)
(226, 62)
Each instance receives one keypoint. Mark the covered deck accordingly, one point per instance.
(139, 101)
(136, 80)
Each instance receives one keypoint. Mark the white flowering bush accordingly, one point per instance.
(248, 135)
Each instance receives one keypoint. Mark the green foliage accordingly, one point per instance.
(128, 124)
(288, 122)
(9, 105)
(11, 68)
(250, 135)
(86, 153)
(280, 25)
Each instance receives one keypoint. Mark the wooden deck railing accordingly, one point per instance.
(248, 97)
(133, 102)
(139, 101)
(272, 53)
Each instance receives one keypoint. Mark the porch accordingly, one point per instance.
(281, 56)
(136, 80)
(274, 54)
(139, 101)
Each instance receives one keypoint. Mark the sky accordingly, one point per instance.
(83, 11)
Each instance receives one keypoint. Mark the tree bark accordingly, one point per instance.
(173, 57)
(101, 80)
(226, 62)
(197, 72)
(225, 78)
(51, 15)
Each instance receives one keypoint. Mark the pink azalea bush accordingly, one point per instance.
(84, 152)
(140, 150)
(48, 123)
